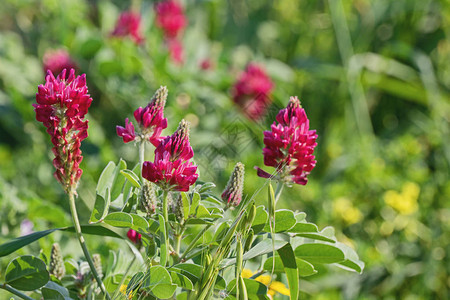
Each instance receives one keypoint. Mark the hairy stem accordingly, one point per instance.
(192, 244)
(124, 276)
(76, 223)
(15, 292)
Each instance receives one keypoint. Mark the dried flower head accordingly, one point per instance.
(150, 120)
(251, 91)
(56, 266)
(290, 145)
(62, 104)
(172, 168)
(232, 194)
(129, 24)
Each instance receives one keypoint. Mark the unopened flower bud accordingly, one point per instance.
(56, 267)
(147, 198)
(232, 193)
(98, 264)
(134, 236)
(177, 208)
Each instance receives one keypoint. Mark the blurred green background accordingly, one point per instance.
(373, 77)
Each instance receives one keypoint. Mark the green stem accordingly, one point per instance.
(278, 191)
(166, 221)
(141, 157)
(194, 241)
(76, 223)
(178, 243)
(124, 276)
(15, 292)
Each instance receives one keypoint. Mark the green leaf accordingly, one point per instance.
(192, 271)
(319, 253)
(119, 181)
(253, 287)
(132, 177)
(351, 262)
(101, 207)
(119, 219)
(186, 205)
(290, 268)
(106, 179)
(153, 226)
(284, 220)
(305, 268)
(195, 201)
(260, 219)
(26, 273)
(268, 264)
(164, 290)
(17, 243)
(300, 217)
(304, 227)
(259, 249)
(202, 212)
(53, 291)
(316, 236)
(182, 281)
(164, 239)
(159, 282)
(93, 230)
(139, 223)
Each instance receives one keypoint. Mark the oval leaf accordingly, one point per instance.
(119, 219)
(319, 253)
(26, 273)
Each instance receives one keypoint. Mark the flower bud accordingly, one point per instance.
(56, 267)
(177, 208)
(96, 258)
(232, 193)
(134, 236)
(147, 198)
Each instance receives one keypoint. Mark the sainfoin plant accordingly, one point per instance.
(189, 242)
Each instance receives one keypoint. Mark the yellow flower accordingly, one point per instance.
(273, 287)
(406, 201)
(123, 291)
(344, 209)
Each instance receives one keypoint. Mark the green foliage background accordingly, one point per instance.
(373, 77)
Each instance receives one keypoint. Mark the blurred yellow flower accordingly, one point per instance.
(344, 209)
(274, 286)
(406, 201)
(123, 291)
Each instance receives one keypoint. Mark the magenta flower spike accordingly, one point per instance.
(170, 18)
(62, 104)
(129, 24)
(58, 60)
(172, 168)
(232, 194)
(251, 91)
(134, 236)
(290, 145)
(150, 120)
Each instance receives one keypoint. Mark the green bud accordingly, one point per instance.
(147, 198)
(96, 258)
(249, 240)
(177, 208)
(56, 267)
(232, 194)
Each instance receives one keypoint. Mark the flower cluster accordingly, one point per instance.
(171, 19)
(58, 60)
(274, 287)
(150, 120)
(62, 104)
(172, 168)
(232, 193)
(129, 24)
(290, 145)
(134, 236)
(251, 91)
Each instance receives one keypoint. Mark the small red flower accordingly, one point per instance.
(172, 168)
(251, 91)
(58, 60)
(290, 145)
(170, 18)
(62, 104)
(206, 64)
(129, 24)
(134, 237)
(150, 120)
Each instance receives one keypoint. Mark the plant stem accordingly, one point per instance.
(124, 276)
(166, 221)
(178, 243)
(76, 223)
(192, 244)
(278, 191)
(15, 292)
(141, 157)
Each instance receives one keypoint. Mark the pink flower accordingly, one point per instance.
(128, 24)
(251, 91)
(134, 236)
(58, 60)
(62, 104)
(170, 18)
(206, 64)
(290, 145)
(150, 120)
(176, 51)
(172, 168)
(232, 194)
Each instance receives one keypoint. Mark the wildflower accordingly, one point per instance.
(26, 227)
(150, 120)
(56, 266)
(273, 286)
(290, 145)
(128, 24)
(206, 64)
(123, 291)
(176, 51)
(58, 60)
(251, 91)
(62, 104)
(232, 193)
(406, 201)
(343, 208)
(170, 18)
(134, 236)
(172, 168)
